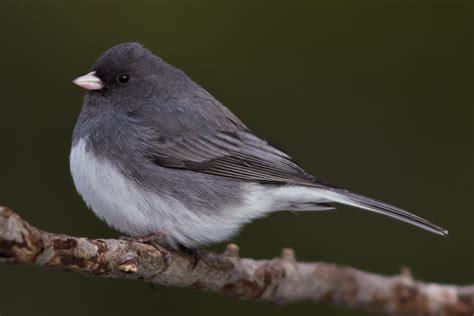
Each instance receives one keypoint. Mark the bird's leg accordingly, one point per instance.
(156, 239)
(151, 239)
(193, 253)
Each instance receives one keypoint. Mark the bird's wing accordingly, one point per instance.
(242, 155)
(237, 154)
(222, 145)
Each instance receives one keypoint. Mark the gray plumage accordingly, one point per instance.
(176, 146)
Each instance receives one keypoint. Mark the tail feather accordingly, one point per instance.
(363, 202)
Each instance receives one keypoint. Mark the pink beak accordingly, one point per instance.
(89, 82)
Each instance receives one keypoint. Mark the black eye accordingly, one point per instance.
(123, 78)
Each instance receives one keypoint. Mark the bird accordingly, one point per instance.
(154, 154)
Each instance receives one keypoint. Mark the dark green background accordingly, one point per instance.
(375, 96)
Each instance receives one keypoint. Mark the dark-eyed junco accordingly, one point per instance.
(154, 153)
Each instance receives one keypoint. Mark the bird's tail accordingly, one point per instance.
(360, 201)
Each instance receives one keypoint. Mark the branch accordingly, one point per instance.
(281, 280)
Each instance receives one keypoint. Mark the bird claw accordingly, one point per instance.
(151, 239)
(154, 241)
(193, 253)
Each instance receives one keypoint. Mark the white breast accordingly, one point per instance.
(133, 210)
(137, 212)
(109, 194)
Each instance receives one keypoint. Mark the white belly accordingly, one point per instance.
(131, 209)
(108, 193)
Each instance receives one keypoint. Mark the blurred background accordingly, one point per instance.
(376, 96)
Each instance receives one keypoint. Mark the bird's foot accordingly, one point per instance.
(193, 253)
(157, 241)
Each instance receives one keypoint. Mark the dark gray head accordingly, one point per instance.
(128, 77)
(121, 81)
(125, 76)
(129, 87)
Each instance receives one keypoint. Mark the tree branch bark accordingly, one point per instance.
(281, 280)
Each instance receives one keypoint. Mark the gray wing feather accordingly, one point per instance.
(237, 154)
(214, 141)
(259, 162)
